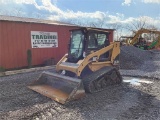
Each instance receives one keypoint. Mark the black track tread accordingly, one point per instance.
(97, 75)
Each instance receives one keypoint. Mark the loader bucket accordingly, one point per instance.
(58, 87)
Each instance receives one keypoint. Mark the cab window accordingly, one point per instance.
(96, 40)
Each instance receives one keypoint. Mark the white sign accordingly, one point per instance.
(41, 39)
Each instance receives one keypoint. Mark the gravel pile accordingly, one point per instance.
(136, 62)
(133, 58)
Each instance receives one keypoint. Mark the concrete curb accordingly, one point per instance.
(25, 70)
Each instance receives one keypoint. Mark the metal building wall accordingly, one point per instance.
(15, 40)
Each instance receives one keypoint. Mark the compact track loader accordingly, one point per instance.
(90, 66)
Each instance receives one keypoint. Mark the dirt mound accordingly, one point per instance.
(133, 58)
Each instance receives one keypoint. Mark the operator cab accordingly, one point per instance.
(85, 41)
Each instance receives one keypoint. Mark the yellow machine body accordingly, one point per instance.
(62, 87)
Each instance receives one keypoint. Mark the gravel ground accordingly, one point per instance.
(121, 102)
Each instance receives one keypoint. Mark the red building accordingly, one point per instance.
(18, 35)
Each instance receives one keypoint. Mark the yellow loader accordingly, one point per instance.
(90, 65)
(140, 42)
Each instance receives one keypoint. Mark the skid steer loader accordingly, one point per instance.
(90, 66)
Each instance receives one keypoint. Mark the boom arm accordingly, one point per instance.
(78, 67)
(139, 32)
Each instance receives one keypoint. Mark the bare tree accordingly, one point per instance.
(142, 22)
(139, 24)
(99, 23)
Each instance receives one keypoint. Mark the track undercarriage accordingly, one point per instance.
(99, 80)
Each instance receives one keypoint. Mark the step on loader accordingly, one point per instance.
(90, 65)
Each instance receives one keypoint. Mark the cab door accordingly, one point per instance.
(97, 41)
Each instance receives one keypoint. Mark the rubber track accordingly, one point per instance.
(97, 75)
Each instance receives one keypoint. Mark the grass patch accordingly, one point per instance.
(2, 69)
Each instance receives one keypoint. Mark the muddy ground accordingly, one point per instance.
(122, 102)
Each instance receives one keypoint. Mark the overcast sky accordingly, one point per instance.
(112, 11)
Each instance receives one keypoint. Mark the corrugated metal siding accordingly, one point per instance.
(33, 20)
(15, 40)
(111, 37)
(1, 44)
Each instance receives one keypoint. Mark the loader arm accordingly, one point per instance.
(139, 32)
(78, 67)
